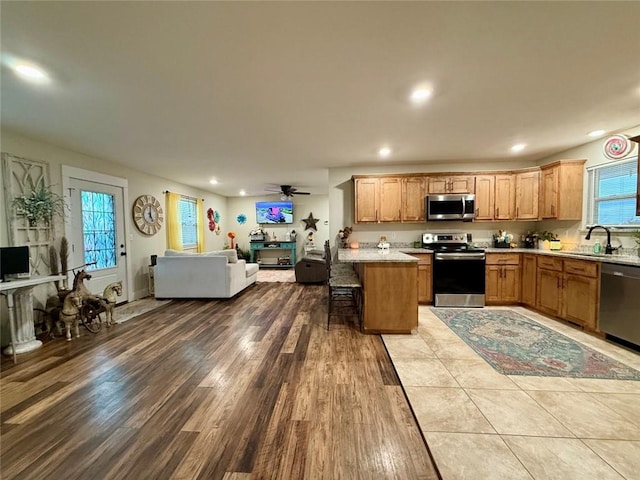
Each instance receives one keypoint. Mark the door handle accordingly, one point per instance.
(123, 254)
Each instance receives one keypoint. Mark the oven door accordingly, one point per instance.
(459, 279)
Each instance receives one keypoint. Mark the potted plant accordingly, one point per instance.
(547, 237)
(41, 204)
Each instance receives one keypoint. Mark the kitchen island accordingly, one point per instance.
(390, 289)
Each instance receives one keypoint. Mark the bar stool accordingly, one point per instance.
(343, 285)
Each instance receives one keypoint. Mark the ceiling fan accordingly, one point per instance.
(287, 192)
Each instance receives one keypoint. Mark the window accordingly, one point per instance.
(189, 222)
(98, 229)
(612, 194)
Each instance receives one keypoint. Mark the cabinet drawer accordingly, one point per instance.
(503, 259)
(550, 263)
(423, 258)
(581, 267)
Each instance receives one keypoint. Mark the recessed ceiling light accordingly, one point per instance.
(384, 152)
(31, 72)
(596, 133)
(420, 95)
(518, 147)
(213, 181)
(242, 193)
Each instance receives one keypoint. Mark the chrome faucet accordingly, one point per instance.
(608, 249)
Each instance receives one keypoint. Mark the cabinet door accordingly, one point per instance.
(492, 284)
(528, 287)
(580, 300)
(485, 197)
(425, 286)
(570, 188)
(505, 197)
(527, 195)
(366, 199)
(438, 185)
(549, 291)
(549, 185)
(390, 198)
(461, 184)
(510, 284)
(413, 193)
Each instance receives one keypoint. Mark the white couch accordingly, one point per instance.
(217, 274)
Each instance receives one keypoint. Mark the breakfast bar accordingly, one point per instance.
(390, 288)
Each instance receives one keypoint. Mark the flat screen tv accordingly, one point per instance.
(274, 212)
(14, 261)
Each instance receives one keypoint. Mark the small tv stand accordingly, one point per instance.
(285, 257)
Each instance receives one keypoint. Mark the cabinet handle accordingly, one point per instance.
(498, 212)
(517, 212)
(399, 214)
(553, 210)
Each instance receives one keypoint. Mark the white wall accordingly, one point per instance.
(342, 210)
(341, 202)
(138, 183)
(574, 232)
(303, 205)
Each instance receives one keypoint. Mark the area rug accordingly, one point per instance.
(129, 310)
(276, 275)
(516, 345)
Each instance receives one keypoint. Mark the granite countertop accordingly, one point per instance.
(614, 258)
(370, 255)
(404, 254)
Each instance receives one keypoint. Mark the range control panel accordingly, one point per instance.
(459, 237)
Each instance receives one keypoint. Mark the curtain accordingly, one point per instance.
(174, 227)
(200, 225)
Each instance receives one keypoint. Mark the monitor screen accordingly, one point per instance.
(14, 261)
(274, 212)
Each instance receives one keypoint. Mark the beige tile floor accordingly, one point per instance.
(480, 424)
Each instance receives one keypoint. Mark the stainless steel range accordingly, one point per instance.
(458, 270)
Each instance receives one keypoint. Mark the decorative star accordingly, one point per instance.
(310, 222)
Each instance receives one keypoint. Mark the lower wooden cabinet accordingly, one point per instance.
(581, 292)
(425, 280)
(502, 280)
(569, 289)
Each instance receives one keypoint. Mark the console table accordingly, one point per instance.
(289, 248)
(23, 334)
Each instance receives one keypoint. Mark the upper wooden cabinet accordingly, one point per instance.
(526, 184)
(367, 199)
(377, 199)
(413, 193)
(495, 197)
(561, 190)
(443, 184)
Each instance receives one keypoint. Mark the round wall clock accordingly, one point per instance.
(147, 214)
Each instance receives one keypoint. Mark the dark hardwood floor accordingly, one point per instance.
(251, 387)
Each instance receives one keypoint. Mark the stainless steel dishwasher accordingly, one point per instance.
(620, 302)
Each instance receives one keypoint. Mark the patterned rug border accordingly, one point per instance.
(608, 368)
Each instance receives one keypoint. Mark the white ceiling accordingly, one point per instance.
(275, 93)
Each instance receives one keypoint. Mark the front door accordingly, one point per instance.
(97, 234)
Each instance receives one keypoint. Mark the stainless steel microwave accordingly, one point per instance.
(451, 207)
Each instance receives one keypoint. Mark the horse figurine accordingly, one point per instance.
(109, 300)
(70, 313)
(81, 288)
